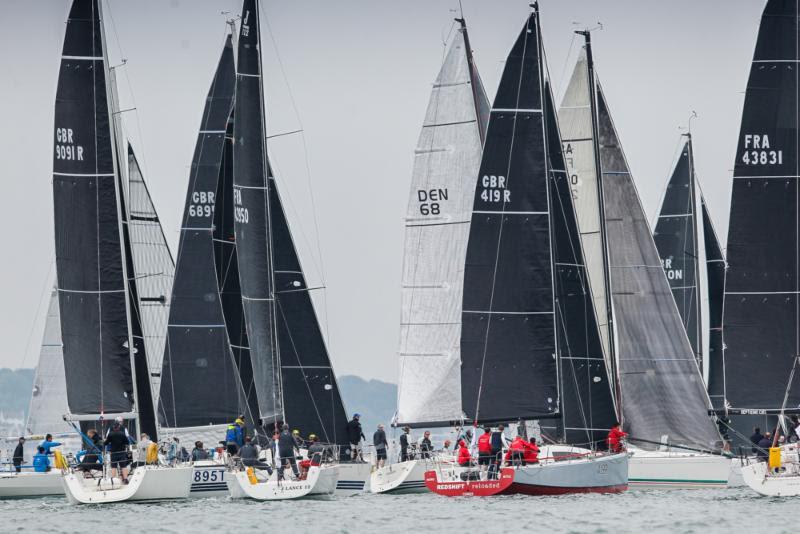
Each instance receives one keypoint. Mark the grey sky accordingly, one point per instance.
(360, 72)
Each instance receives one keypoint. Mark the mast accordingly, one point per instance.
(612, 352)
(478, 94)
(699, 354)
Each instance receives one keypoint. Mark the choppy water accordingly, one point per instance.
(702, 511)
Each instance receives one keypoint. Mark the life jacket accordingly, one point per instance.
(485, 443)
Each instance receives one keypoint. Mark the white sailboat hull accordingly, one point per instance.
(149, 483)
(209, 479)
(354, 478)
(19, 485)
(402, 477)
(670, 470)
(319, 483)
(756, 476)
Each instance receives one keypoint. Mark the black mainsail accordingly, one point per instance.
(530, 342)
(200, 382)
(90, 256)
(292, 373)
(760, 319)
(675, 237)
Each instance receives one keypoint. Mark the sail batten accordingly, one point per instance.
(442, 190)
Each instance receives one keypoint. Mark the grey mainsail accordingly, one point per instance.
(662, 391)
(49, 397)
(437, 221)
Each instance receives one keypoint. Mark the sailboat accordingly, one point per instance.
(530, 342)
(760, 320)
(659, 387)
(693, 263)
(446, 162)
(201, 390)
(101, 313)
(48, 402)
(292, 373)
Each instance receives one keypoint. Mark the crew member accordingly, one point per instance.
(464, 457)
(404, 437)
(354, 434)
(485, 449)
(286, 452)
(496, 440)
(249, 455)
(425, 445)
(381, 446)
(199, 453)
(516, 451)
(531, 455)
(615, 437)
(117, 442)
(48, 444)
(41, 463)
(91, 458)
(755, 439)
(234, 439)
(19, 455)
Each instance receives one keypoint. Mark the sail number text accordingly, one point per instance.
(670, 271)
(494, 189)
(65, 146)
(240, 213)
(757, 151)
(429, 200)
(202, 204)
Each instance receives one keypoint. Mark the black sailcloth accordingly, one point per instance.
(312, 401)
(587, 404)
(760, 322)
(508, 339)
(230, 290)
(199, 384)
(89, 250)
(251, 219)
(715, 275)
(675, 238)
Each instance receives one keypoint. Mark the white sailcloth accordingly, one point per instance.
(446, 164)
(575, 120)
(49, 398)
(154, 267)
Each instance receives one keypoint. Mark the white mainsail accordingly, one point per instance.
(575, 121)
(446, 163)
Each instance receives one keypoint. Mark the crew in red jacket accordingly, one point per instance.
(531, 455)
(615, 437)
(485, 449)
(516, 451)
(464, 457)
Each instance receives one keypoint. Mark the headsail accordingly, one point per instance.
(153, 265)
(88, 236)
(200, 384)
(715, 275)
(661, 386)
(49, 398)
(676, 240)
(762, 284)
(437, 227)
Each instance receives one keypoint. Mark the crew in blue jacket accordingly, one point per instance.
(48, 444)
(41, 464)
(234, 438)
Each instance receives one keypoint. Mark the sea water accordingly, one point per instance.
(702, 511)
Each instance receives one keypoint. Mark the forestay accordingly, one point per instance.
(760, 322)
(662, 391)
(200, 384)
(437, 221)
